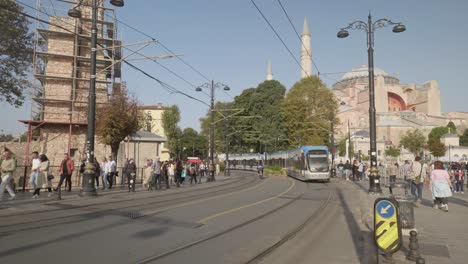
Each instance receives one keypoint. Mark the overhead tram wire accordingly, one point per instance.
(166, 86)
(279, 37)
(164, 46)
(131, 50)
(297, 34)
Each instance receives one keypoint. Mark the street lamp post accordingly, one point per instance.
(212, 87)
(332, 143)
(88, 175)
(370, 27)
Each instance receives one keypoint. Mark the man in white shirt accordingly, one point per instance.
(34, 170)
(112, 167)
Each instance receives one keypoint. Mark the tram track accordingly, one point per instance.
(62, 206)
(122, 211)
(288, 236)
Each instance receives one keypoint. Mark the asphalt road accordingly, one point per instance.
(228, 221)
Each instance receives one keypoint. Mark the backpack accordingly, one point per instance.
(192, 170)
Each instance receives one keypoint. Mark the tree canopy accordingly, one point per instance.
(118, 119)
(452, 127)
(170, 120)
(252, 121)
(392, 152)
(464, 138)
(15, 53)
(413, 141)
(435, 146)
(307, 110)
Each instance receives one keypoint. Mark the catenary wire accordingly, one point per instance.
(297, 34)
(277, 35)
(168, 87)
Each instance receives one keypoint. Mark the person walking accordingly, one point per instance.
(7, 168)
(459, 179)
(393, 170)
(65, 171)
(131, 170)
(157, 174)
(97, 171)
(405, 169)
(193, 174)
(171, 172)
(417, 175)
(355, 169)
(148, 175)
(165, 173)
(34, 170)
(202, 172)
(42, 176)
(111, 168)
(104, 171)
(347, 169)
(178, 172)
(440, 186)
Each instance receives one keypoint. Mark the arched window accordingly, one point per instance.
(395, 102)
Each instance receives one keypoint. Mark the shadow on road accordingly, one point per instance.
(359, 237)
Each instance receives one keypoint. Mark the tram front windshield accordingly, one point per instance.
(318, 160)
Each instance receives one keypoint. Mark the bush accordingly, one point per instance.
(274, 170)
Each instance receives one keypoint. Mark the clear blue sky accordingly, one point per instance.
(229, 42)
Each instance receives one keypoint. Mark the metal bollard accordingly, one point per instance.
(413, 253)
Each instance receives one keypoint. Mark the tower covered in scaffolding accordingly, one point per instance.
(62, 68)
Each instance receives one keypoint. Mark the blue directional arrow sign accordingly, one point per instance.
(385, 209)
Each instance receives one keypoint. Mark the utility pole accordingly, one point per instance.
(212, 87)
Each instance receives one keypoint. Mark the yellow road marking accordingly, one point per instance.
(293, 183)
(202, 200)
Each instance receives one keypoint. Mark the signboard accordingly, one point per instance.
(387, 227)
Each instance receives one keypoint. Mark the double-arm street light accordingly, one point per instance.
(212, 86)
(370, 27)
(88, 175)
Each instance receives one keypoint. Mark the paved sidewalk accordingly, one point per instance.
(443, 237)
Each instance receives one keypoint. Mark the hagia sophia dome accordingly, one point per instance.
(360, 75)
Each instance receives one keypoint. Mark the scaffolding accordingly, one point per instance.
(61, 65)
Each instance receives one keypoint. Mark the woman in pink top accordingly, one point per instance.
(441, 186)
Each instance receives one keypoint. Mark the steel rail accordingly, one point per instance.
(224, 232)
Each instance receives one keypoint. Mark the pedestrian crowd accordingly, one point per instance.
(157, 175)
(443, 180)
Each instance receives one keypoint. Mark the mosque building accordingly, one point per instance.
(399, 107)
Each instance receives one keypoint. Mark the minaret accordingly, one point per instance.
(269, 76)
(306, 52)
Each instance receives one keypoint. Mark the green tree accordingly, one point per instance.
(464, 138)
(438, 149)
(170, 120)
(413, 141)
(392, 152)
(452, 127)
(193, 144)
(118, 119)
(15, 53)
(266, 103)
(434, 139)
(307, 110)
(255, 120)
